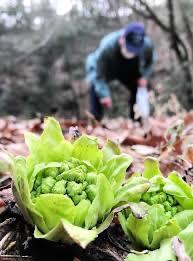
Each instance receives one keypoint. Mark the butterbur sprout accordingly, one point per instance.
(68, 190)
(168, 203)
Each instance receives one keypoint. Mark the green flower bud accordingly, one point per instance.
(84, 185)
(146, 197)
(168, 214)
(70, 175)
(71, 165)
(167, 206)
(64, 167)
(91, 192)
(74, 161)
(162, 197)
(157, 199)
(59, 187)
(91, 178)
(51, 172)
(63, 176)
(174, 210)
(154, 200)
(77, 198)
(83, 168)
(79, 176)
(73, 188)
(47, 184)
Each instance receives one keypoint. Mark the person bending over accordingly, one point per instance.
(126, 55)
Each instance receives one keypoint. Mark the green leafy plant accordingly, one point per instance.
(69, 191)
(168, 204)
(169, 250)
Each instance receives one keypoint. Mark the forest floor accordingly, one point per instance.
(170, 139)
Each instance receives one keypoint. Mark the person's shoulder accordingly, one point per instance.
(111, 36)
(110, 39)
(90, 56)
(91, 59)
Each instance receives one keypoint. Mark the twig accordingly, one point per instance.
(6, 240)
(8, 221)
(153, 16)
(110, 253)
(4, 180)
(139, 12)
(33, 50)
(8, 248)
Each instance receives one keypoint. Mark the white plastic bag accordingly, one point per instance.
(142, 102)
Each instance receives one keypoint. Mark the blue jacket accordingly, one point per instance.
(95, 73)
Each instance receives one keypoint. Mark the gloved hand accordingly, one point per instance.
(142, 102)
(106, 102)
(142, 82)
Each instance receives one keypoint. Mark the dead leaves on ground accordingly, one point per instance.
(168, 138)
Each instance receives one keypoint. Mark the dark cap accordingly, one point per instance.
(134, 35)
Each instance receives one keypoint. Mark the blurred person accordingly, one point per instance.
(126, 55)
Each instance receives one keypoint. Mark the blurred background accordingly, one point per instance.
(44, 43)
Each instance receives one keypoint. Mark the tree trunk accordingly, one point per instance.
(182, 54)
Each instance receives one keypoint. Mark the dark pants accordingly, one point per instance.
(97, 109)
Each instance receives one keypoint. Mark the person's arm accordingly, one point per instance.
(104, 54)
(147, 61)
(148, 58)
(100, 85)
(103, 92)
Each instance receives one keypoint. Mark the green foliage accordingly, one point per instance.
(160, 197)
(169, 208)
(68, 191)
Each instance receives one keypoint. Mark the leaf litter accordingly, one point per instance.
(168, 139)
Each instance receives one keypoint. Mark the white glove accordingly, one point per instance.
(142, 102)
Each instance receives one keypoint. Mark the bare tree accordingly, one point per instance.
(178, 45)
(189, 33)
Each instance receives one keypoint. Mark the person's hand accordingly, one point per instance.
(142, 82)
(106, 102)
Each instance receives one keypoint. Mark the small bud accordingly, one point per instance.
(51, 172)
(73, 188)
(77, 198)
(167, 206)
(47, 184)
(174, 210)
(64, 167)
(59, 187)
